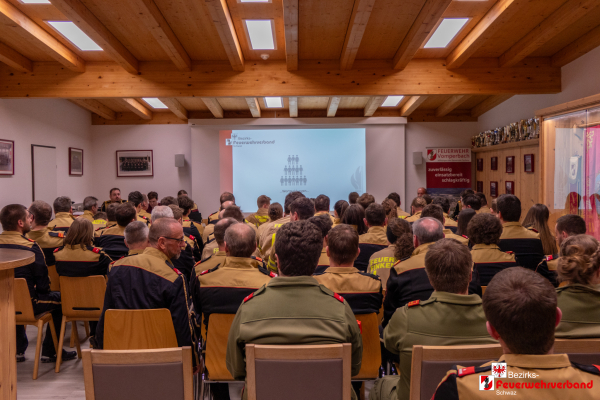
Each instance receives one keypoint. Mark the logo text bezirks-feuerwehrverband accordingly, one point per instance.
(235, 142)
(500, 384)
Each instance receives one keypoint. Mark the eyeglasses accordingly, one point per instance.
(181, 240)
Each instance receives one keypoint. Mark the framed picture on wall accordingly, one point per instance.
(480, 164)
(135, 163)
(510, 187)
(494, 162)
(7, 157)
(510, 164)
(494, 189)
(75, 161)
(529, 163)
(479, 186)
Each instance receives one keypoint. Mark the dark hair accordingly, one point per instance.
(442, 202)
(81, 232)
(484, 229)
(448, 265)
(136, 198)
(298, 246)
(125, 214)
(113, 189)
(221, 227)
(482, 199)
(472, 201)
(466, 192)
(464, 217)
(323, 222)
(537, 218)
(428, 198)
(10, 216)
(433, 211)
(111, 211)
(352, 197)
(375, 215)
(275, 211)
(101, 215)
(304, 207)
(233, 212)
(241, 240)
(167, 201)
(509, 207)
(152, 195)
(89, 202)
(572, 224)
(365, 200)
(185, 203)
(521, 305)
(226, 196)
(181, 192)
(262, 200)
(399, 233)
(42, 212)
(355, 215)
(579, 259)
(322, 203)
(396, 197)
(343, 244)
(289, 199)
(62, 204)
(340, 207)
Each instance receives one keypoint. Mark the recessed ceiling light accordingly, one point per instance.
(444, 34)
(273, 102)
(75, 35)
(392, 101)
(261, 34)
(154, 102)
(35, 1)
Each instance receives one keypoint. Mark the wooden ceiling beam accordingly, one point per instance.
(224, 25)
(373, 104)
(96, 107)
(332, 105)
(579, 47)
(567, 15)
(38, 37)
(488, 104)
(214, 106)
(451, 104)
(137, 108)
(175, 107)
(77, 12)
(253, 106)
(411, 105)
(14, 59)
(424, 24)
(293, 107)
(356, 29)
(493, 20)
(150, 14)
(290, 20)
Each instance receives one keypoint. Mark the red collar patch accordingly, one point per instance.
(414, 303)
(56, 249)
(272, 274)
(96, 250)
(465, 236)
(251, 295)
(191, 237)
(338, 297)
(204, 272)
(549, 258)
(177, 271)
(466, 371)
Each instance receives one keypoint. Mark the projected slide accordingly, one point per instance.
(275, 162)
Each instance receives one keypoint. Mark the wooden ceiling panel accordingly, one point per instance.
(116, 105)
(233, 103)
(472, 102)
(312, 103)
(433, 102)
(353, 103)
(193, 103)
(13, 40)
(322, 28)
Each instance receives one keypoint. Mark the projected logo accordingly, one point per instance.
(356, 180)
(293, 173)
(229, 142)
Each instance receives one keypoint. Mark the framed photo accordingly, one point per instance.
(7, 157)
(75, 161)
(479, 186)
(510, 165)
(510, 187)
(135, 163)
(528, 162)
(494, 189)
(494, 162)
(480, 164)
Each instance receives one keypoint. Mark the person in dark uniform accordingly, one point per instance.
(459, 207)
(63, 214)
(217, 258)
(111, 215)
(115, 198)
(323, 222)
(225, 196)
(112, 240)
(294, 298)
(375, 239)
(522, 313)
(386, 258)
(192, 229)
(186, 261)
(16, 223)
(136, 237)
(195, 214)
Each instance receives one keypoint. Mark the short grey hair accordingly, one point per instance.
(145, 197)
(62, 204)
(159, 212)
(428, 230)
(161, 228)
(89, 202)
(241, 240)
(136, 232)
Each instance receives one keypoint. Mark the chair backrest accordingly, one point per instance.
(371, 357)
(23, 307)
(156, 374)
(319, 372)
(431, 363)
(138, 329)
(383, 274)
(54, 278)
(216, 346)
(483, 290)
(582, 351)
(82, 297)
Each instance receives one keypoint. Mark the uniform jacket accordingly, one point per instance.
(87, 214)
(382, 259)
(210, 248)
(76, 262)
(369, 243)
(108, 203)
(525, 243)
(445, 319)
(61, 222)
(112, 241)
(194, 230)
(325, 213)
(185, 263)
(214, 217)
(196, 215)
(580, 306)
(48, 241)
(402, 213)
(484, 210)
(145, 214)
(547, 268)
(99, 231)
(259, 218)
(208, 233)
(210, 262)
(553, 369)
(266, 242)
(450, 235)
(449, 223)
(414, 217)
(361, 290)
(141, 218)
(336, 221)
(323, 263)
(488, 260)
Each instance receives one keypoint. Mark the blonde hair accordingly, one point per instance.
(81, 232)
(579, 259)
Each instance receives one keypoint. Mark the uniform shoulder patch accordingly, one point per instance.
(251, 295)
(177, 271)
(533, 229)
(257, 258)
(472, 370)
(57, 249)
(338, 297)
(592, 369)
(272, 274)
(31, 240)
(205, 272)
(465, 236)
(192, 237)
(96, 250)
(372, 276)
(551, 257)
(510, 252)
(57, 234)
(414, 303)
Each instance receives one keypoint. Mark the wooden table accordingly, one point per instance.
(9, 260)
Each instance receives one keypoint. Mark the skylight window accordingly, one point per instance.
(392, 101)
(35, 1)
(75, 35)
(154, 102)
(444, 34)
(261, 34)
(274, 102)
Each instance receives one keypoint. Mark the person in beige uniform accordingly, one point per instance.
(322, 204)
(449, 317)
(136, 199)
(416, 207)
(63, 214)
(217, 257)
(522, 313)
(111, 215)
(386, 258)
(225, 197)
(145, 206)
(338, 210)
(485, 209)
(261, 216)
(323, 222)
(396, 197)
(115, 198)
(443, 202)
(436, 211)
(210, 228)
(265, 241)
(136, 237)
(90, 208)
(375, 239)
(192, 229)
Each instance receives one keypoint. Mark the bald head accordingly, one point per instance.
(427, 230)
(421, 191)
(240, 241)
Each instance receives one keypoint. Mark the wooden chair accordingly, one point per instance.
(25, 316)
(138, 329)
(582, 351)
(371, 357)
(82, 300)
(319, 372)
(155, 374)
(54, 279)
(215, 352)
(431, 363)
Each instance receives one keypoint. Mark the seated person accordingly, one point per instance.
(444, 202)
(112, 240)
(115, 198)
(355, 217)
(579, 300)
(16, 223)
(322, 204)
(464, 217)
(216, 259)
(522, 313)
(484, 204)
(78, 258)
(261, 216)
(436, 211)
(63, 214)
(324, 316)
(471, 201)
(390, 209)
(339, 208)
(417, 205)
(525, 243)
(185, 262)
(361, 290)
(225, 197)
(136, 199)
(48, 240)
(365, 200)
(450, 317)
(386, 258)
(207, 234)
(145, 207)
(100, 220)
(191, 228)
(375, 239)
(90, 208)
(323, 222)
(111, 216)
(231, 211)
(484, 231)
(152, 201)
(194, 214)
(396, 198)
(136, 237)
(168, 200)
